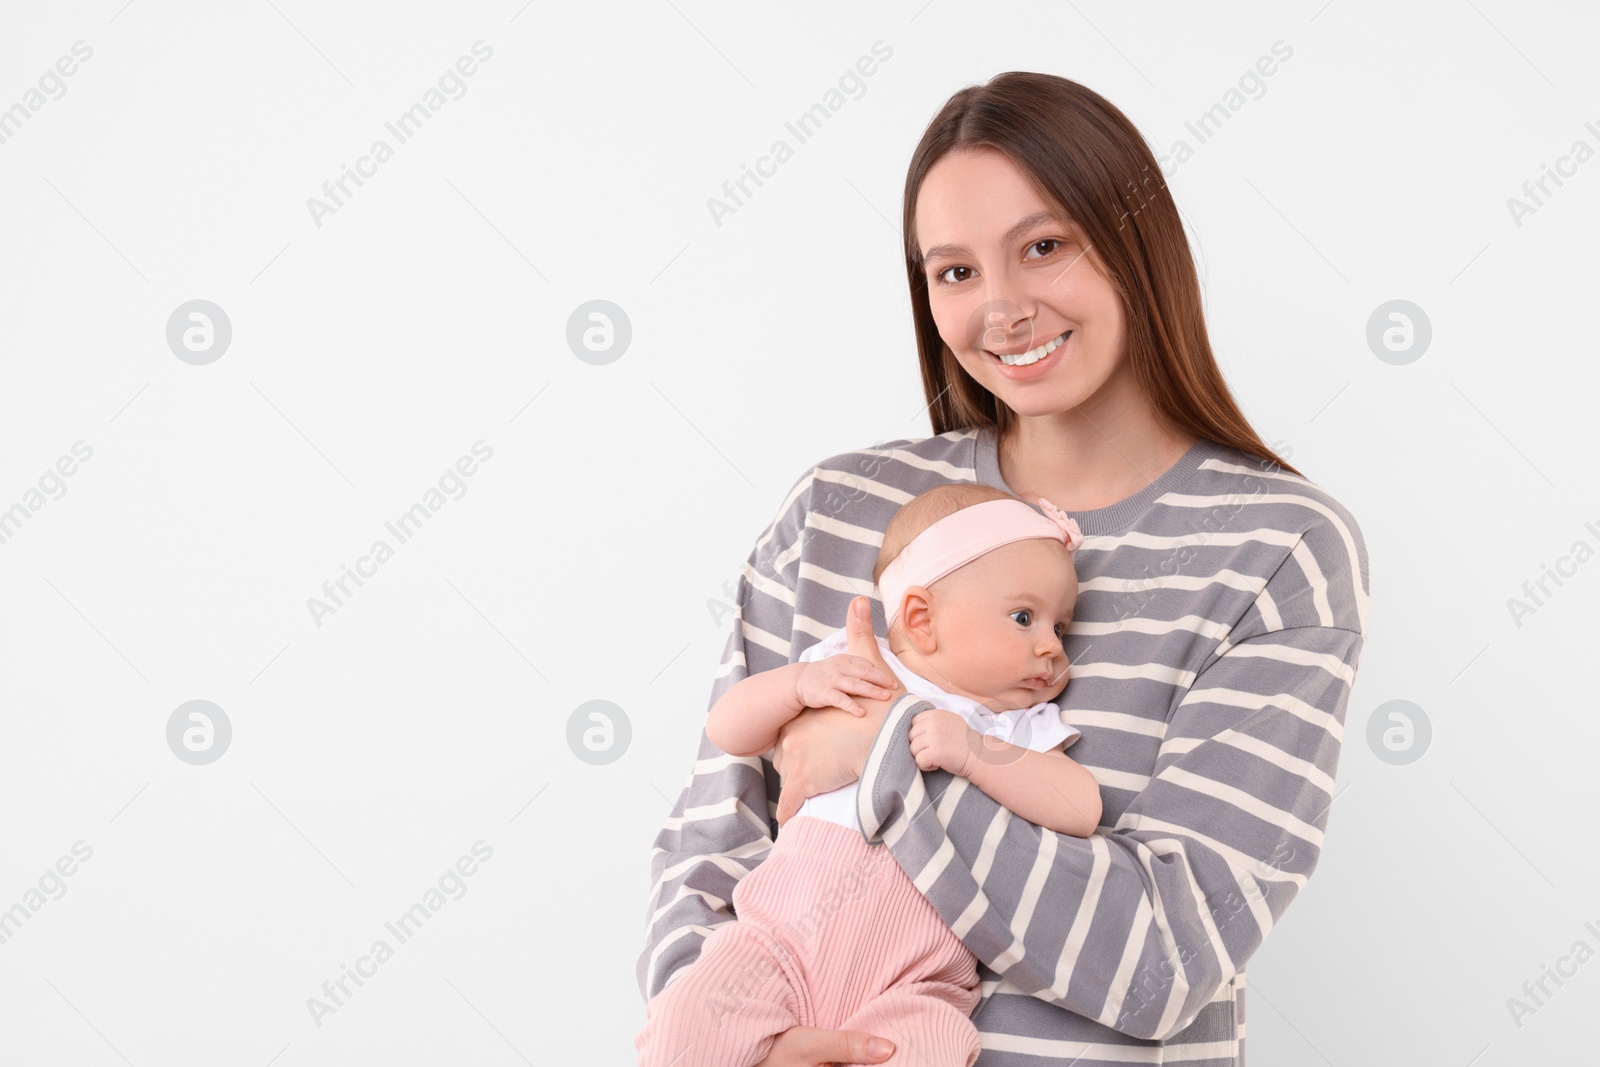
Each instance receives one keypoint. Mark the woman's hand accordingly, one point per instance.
(822, 749)
(808, 1046)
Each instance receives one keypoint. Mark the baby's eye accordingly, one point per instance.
(1061, 632)
(1027, 617)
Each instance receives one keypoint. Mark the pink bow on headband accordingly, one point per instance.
(1069, 526)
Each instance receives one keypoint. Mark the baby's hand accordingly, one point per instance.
(828, 683)
(942, 741)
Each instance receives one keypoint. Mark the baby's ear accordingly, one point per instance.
(916, 618)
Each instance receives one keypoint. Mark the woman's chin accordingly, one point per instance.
(1037, 403)
(1049, 396)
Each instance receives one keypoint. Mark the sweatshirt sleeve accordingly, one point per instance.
(721, 826)
(1140, 925)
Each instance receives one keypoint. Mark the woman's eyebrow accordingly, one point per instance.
(1022, 226)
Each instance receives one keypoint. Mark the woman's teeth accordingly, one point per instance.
(1033, 355)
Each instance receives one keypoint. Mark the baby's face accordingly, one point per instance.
(1000, 623)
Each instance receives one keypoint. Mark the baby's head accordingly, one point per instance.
(975, 616)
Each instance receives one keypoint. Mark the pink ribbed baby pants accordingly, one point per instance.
(829, 932)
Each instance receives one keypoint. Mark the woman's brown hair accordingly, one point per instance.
(1084, 154)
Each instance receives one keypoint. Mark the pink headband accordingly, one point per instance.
(961, 537)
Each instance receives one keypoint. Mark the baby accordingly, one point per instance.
(977, 589)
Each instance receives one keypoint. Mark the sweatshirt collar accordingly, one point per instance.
(1112, 517)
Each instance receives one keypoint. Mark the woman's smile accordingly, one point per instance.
(1033, 363)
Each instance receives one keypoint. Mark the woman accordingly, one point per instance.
(1220, 619)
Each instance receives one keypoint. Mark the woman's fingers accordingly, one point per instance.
(789, 801)
(858, 624)
(850, 1046)
(809, 1046)
(859, 636)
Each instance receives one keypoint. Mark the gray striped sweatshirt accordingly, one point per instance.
(1219, 624)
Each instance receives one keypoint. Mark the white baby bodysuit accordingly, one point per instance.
(1038, 728)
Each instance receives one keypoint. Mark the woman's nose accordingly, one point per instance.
(1001, 321)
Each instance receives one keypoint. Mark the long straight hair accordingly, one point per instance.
(1081, 151)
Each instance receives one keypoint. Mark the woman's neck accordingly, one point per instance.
(1080, 464)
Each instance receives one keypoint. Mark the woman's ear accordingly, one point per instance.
(916, 619)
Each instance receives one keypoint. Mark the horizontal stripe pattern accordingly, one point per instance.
(1218, 630)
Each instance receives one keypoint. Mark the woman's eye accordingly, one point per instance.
(1052, 242)
(1026, 619)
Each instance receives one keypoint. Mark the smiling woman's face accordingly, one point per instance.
(996, 289)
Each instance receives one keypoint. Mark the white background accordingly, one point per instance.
(585, 560)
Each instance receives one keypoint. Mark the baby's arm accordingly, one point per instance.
(745, 720)
(1050, 789)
